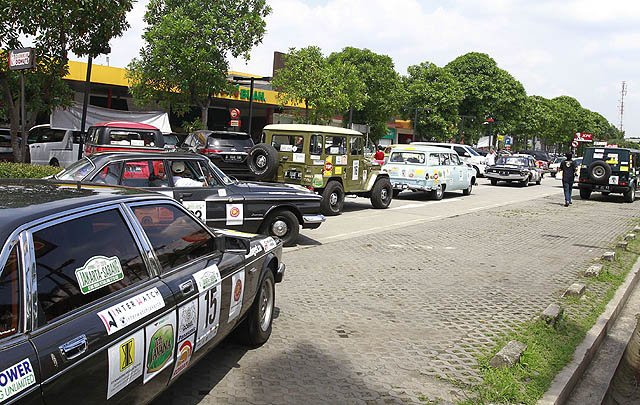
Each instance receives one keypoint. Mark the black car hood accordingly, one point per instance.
(275, 188)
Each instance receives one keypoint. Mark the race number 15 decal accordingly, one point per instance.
(209, 286)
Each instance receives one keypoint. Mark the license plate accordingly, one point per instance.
(293, 174)
(603, 188)
(233, 158)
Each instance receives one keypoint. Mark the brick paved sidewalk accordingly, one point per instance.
(391, 317)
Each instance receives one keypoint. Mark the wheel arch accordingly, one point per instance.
(284, 207)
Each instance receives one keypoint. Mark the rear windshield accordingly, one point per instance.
(132, 137)
(612, 156)
(407, 157)
(230, 141)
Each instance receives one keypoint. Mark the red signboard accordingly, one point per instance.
(234, 113)
(583, 137)
(234, 123)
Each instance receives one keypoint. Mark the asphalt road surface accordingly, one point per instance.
(390, 306)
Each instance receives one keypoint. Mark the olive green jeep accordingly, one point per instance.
(328, 160)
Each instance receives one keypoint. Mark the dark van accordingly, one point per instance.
(610, 170)
(123, 135)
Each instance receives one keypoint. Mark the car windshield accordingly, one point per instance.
(230, 141)
(225, 179)
(473, 152)
(170, 139)
(77, 171)
(407, 157)
(512, 161)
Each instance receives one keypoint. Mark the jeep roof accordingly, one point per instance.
(311, 128)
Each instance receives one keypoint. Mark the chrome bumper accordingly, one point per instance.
(310, 221)
(498, 176)
(280, 273)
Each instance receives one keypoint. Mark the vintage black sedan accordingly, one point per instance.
(219, 200)
(98, 305)
(515, 168)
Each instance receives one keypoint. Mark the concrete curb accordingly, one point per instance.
(566, 380)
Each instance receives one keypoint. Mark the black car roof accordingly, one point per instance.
(604, 147)
(100, 156)
(26, 200)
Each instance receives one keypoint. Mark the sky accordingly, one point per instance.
(583, 49)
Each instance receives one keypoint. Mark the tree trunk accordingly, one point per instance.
(306, 110)
(14, 118)
(204, 114)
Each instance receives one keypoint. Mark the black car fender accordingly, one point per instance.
(288, 207)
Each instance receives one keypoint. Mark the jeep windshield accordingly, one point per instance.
(613, 157)
(511, 161)
(407, 157)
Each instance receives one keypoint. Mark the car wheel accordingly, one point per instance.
(382, 193)
(539, 181)
(525, 182)
(585, 193)
(284, 224)
(54, 162)
(629, 195)
(256, 328)
(437, 194)
(494, 182)
(468, 190)
(263, 161)
(477, 171)
(332, 199)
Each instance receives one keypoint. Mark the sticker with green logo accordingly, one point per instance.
(317, 180)
(160, 348)
(97, 272)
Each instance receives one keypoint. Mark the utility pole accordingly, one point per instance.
(415, 118)
(623, 93)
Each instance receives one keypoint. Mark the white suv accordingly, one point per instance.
(466, 153)
(53, 147)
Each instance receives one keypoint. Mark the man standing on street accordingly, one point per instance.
(491, 157)
(568, 176)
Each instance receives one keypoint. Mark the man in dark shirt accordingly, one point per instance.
(568, 168)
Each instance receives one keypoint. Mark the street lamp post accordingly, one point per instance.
(251, 83)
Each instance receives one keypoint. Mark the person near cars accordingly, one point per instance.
(178, 169)
(568, 176)
(491, 157)
(379, 155)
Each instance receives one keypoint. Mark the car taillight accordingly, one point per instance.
(623, 183)
(210, 150)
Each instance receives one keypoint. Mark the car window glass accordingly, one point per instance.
(187, 173)
(460, 150)
(315, 147)
(434, 159)
(355, 144)
(131, 137)
(77, 171)
(472, 152)
(288, 143)
(109, 174)
(175, 236)
(33, 136)
(455, 159)
(220, 174)
(82, 260)
(335, 145)
(208, 175)
(445, 159)
(9, 295)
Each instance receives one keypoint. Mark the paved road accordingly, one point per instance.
(384, 306)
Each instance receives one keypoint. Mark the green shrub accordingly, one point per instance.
(26, 171)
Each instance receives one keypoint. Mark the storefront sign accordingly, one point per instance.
(22, 58)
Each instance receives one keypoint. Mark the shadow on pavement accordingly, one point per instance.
(307, 241)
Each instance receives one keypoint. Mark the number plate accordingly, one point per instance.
(602, 188)
(292, 174)
(233, 158)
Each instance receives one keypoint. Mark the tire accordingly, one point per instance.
(263, 161)
(332, 199)
(599, 171)
(525, 182)
(630, 195)
(585, 193)
(467, 191)
(382, 193)
(437, 194)
(539, 181)
(494, 182)
(54, 162)
(477, 172)
(553, 175)
(256, 328)
(283, 224)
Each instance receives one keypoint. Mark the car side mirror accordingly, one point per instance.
(230, 244)
(466, 154)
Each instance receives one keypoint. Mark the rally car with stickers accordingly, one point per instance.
(98, 305)
(328, 160)
(218, 200)
(610, 170)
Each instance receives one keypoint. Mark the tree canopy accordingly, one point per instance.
(187, 43)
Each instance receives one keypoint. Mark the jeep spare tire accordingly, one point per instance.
(599, 171)
(263, 161)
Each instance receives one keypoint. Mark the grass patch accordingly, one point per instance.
(549, 350)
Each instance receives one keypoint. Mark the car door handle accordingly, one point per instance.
(186, 287)
(74, 348)
(185, 195)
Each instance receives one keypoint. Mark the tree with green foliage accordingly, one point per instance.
(187, 43)
(489, 91)
(434, 88)
(326, 88)
(55, 28)
(383, 88)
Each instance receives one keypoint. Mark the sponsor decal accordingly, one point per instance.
(317, 181)
(356, 170)
(97, 272)
(318, 162)
(341, 160)
(234, 214)
(208, 313)
(16, 379)
(198, 208)
(207, 278)
(237, 292)
(125, 362)
(613, 180)
(222, 192)
(130, 311)
(364, 175)
(314, 157)
(160, 343)
(268, 243)
(338, 170)
(286, 148)
(298, 157)
(254, 251)
(185, 349)
(187, 319)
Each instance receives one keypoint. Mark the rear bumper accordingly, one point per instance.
(610, 188)
(312, 221)
(400, 185)
(280, 272)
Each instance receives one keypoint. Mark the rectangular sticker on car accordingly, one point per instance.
(161, 338)
(298, 157)
(128, 312)
(183, 358)
(198, 208)
(210, 288)
(98, 272)
(234, 214)
(237, 293)
(613, 180)
(187, 319)
(356, 170)
(125, 362)
(16, 378)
